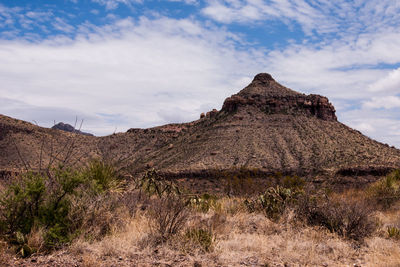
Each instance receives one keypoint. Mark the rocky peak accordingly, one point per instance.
(263, 77)
(273, 98)
(69, 128)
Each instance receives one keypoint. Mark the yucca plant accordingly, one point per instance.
(393, 232)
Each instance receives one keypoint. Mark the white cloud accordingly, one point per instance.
(24, 20)
(382, 126)
(320, 16)
(386, 102)
(139, 74)
(365, 127)
(94, 11)
(189, 2)
(342, 69)
(62, 26)
(389, 83)
(113, 4)
(38, 15)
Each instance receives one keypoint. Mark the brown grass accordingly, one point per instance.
(231, 237)
(242, 239)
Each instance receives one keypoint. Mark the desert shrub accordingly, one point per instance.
(348, 218)
(393, 232)
(21, 247)
(204, 202)
(48, 201)
(202, 231)
(38, 200)
(231, 206)
(97, 216)
(200, 237)
(168, 215)
(386, 191)
(102, 175)
(273, 201)
(20, 204)
(153, 183)
(293, 182)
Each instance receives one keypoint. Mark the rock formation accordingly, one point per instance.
(265, 127)
(272, 98)
(69, 128)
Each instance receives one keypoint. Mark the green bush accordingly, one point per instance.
(102, 175)
(46, 201)
(274, 201)
(386, 191)
(36, 199)
(393, 232)
(21, 204)
(204, 202)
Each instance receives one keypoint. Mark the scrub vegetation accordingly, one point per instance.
(95, 215)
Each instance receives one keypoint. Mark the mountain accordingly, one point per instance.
(266, 127)
(69, 128)
(26, 146)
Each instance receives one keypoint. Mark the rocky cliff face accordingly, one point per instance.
(272, 98)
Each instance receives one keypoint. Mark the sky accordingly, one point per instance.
(120, 64)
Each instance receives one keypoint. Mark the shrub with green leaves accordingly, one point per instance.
(46, 200)
(102, 175)
(204, 202)
(386, 191)
(21, 204)
(274, 201)
(36, 199)
(393, 232)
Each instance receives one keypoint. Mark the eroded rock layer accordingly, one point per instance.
(272, 98)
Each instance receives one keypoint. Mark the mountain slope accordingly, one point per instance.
(266, 126)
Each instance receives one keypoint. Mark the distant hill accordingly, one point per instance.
(69, 128)
(265, 127)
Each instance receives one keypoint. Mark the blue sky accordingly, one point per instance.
(119, 64)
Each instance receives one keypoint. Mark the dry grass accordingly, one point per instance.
(243, 239)
(237, 238)
(35, 239)
(123, 243)
(5, 254)
(382, 252)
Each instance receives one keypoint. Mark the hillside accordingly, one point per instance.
(266, 127)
